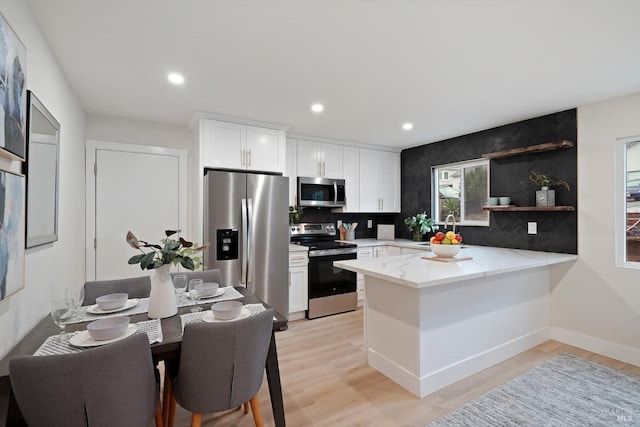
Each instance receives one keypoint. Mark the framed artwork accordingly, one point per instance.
(13, 93)
(12, 233)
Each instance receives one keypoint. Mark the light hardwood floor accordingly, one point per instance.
(326, 381)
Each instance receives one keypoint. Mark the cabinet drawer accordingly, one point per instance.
(298, 259)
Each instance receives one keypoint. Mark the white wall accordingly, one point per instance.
(128, 131)
(596, 304)
(49, 268)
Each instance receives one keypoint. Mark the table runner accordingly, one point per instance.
(143, 306)
(197, 317)
(83, 316)
(53, 346)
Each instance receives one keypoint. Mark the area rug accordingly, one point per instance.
(567, 390)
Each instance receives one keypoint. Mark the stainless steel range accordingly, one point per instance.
(332, 290)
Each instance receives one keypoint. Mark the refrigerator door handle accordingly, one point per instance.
(245, 236)
(250, 259)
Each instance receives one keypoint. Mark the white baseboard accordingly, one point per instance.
(297, 315)
(434, 381)
(616, 351)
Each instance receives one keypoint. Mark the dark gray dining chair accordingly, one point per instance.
(136, 287)
(213, 275)
(221, 366)
(112, 385)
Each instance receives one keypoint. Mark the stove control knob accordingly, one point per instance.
(330, 228)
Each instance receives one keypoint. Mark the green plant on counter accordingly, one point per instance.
(295, 212)
(543, 180)
(420, 224)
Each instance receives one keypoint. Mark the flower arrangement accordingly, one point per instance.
(420, 225)
(172, 251)
(542, 180)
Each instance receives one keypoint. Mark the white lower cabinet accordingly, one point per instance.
(298, 284)
(363, 253)
(380, 251)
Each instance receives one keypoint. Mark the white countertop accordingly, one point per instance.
(413, 271)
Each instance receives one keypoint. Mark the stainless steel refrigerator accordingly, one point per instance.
(246, 220)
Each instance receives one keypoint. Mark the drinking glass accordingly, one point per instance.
(61, 313)
(75, 297)
(195, 289)
(180, 283)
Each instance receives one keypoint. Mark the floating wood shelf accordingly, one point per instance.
(550, 146)
(529, 208)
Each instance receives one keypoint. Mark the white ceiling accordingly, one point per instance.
(450, 67)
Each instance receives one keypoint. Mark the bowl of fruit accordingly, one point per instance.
(445, 245)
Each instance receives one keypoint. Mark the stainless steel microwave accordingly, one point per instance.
(321, 192)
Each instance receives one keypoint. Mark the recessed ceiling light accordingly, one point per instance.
(407, 126)
(175, 78)
(317, 108)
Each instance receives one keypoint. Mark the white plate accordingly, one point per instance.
(94, 309)
(83, 339)
(208, 316)
(219, 292)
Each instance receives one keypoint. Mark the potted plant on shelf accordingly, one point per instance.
(162, 301)
(420, 224)
(545, 196)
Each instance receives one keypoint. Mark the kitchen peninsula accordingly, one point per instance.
(428, 324)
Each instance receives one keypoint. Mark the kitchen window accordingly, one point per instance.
(628, 244)
(461, 189)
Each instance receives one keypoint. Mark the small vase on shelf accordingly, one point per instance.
(417, 236)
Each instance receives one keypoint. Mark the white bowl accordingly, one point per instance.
(445, 251)
(112, 301)
(208, 289)
(226, 310)
(109, 328)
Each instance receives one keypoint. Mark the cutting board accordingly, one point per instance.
(386, 232)
(442, 259)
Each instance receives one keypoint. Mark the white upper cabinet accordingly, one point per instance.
(266, 149)
(350, 173)
(222, 144)
(239, 146)
(379, 181)
(292, 170)
(319, 159)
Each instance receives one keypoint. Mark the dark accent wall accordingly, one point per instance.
(557, 231)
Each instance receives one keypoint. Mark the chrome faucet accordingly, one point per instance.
(453, 222)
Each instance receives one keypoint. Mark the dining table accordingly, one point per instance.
(168, 348)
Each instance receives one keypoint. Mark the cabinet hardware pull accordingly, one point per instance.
(242, 157)
(319, 168)
(248, 157)
(323, 169)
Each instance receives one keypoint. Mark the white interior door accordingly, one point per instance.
(129, 187)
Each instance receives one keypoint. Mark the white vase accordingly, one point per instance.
(162, 300)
